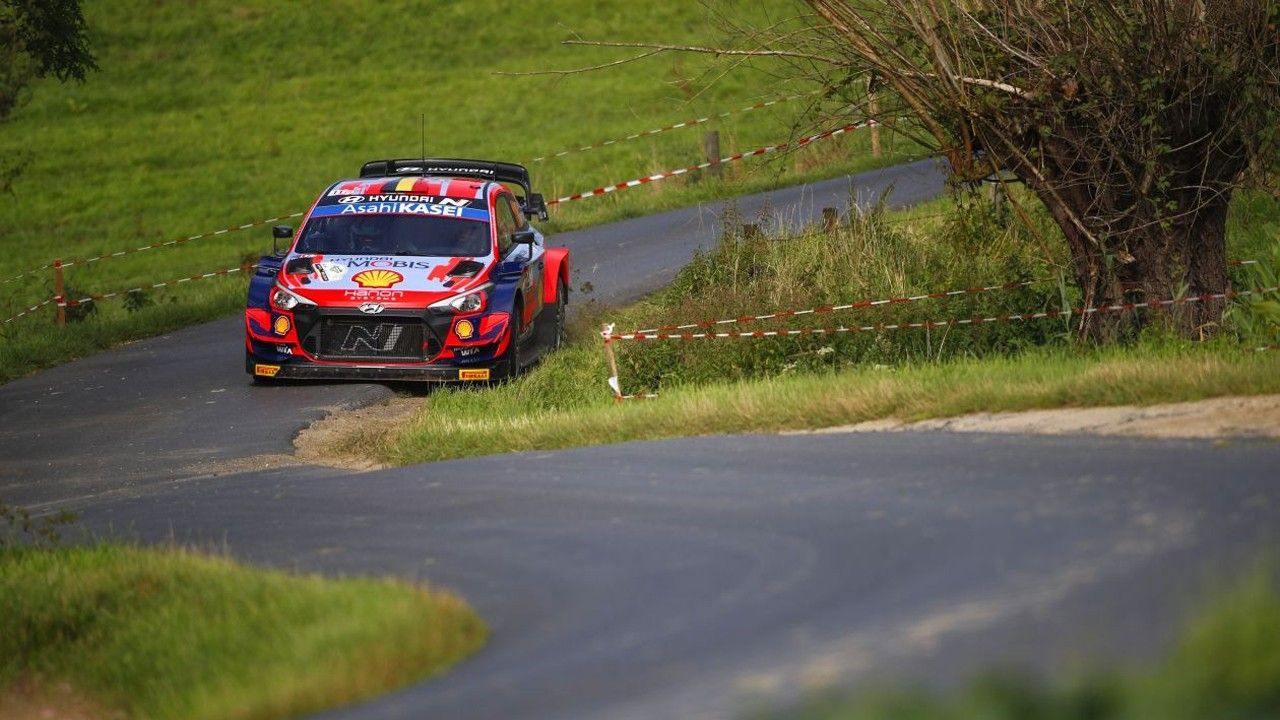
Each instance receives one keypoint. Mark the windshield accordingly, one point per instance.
(395, 235)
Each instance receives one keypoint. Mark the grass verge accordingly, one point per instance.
(170, 633)
(528, 415)
(707, 387)
(1226, 664)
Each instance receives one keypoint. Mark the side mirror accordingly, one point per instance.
(278, 233)
(535, 206)
(524, 237)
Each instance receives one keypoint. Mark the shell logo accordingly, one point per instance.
(377, 278)
(281, 325)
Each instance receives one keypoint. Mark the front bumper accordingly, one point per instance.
(420, 373)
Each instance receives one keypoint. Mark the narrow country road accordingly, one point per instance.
(677, 579)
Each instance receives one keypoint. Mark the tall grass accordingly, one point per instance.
(965, 241)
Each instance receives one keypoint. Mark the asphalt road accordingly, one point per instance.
(671, 579)
(679, 579)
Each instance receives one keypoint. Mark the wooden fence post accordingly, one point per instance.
(59, 293)
(711, 144)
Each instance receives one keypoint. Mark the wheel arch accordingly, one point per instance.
(557, 273)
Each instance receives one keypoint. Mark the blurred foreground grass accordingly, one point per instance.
(171, 633)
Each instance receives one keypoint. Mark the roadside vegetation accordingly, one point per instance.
(1224, 664)
(767, 385)
(166, 632)
(208, 116)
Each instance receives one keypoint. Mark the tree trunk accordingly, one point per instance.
(1151, 262)
(1205, 260)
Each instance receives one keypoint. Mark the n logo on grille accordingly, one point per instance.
(379, 338)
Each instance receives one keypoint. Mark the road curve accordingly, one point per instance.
(181, 406)
(669, 579)
(676, 579)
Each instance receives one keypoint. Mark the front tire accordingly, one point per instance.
(257, 379)
(562, 303)
(509, 364)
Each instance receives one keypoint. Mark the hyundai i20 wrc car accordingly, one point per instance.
(423, 269)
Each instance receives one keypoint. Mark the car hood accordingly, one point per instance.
(394, 281)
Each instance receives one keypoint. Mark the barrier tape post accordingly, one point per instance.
(59, 292)
(607, 334)
(711, 144)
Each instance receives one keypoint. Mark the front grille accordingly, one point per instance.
(354, 338)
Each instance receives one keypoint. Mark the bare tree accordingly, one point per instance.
(1133, 121)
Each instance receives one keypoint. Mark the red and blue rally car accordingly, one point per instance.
(421, 269)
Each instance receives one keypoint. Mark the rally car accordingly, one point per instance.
(422, 269)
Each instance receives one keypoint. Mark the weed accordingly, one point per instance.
(20, 527)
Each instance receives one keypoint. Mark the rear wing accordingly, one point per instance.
(457, 167)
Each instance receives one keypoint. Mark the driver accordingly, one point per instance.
(370, 235)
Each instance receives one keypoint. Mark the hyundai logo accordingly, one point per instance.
(371, 308)
(351, 199)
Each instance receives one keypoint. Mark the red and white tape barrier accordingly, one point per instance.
(120, 293)
(863, 304)
(707, 324)
(154, 246)
(609, 336)
(703, 166)
(676, 126)
(28, 311)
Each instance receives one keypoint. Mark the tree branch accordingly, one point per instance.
(576, 71)
(762, 52)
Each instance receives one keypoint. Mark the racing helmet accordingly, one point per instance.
(371, 234)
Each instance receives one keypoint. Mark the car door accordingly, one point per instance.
(510, 219)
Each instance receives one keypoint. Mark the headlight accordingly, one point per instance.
(282, 299)
(470, 302)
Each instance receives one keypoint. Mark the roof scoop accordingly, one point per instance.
(301, 265)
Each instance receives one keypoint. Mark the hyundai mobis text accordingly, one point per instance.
(424, 269)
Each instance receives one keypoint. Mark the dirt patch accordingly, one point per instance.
(1219, 418)
(348, 439)
(27, 700)
(235, 466)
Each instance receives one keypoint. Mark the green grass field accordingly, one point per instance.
(210, 115)
(169, 633)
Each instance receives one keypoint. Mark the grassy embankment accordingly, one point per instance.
(1225, 664)
(215, 114)
(722, 386)
(170, 633)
